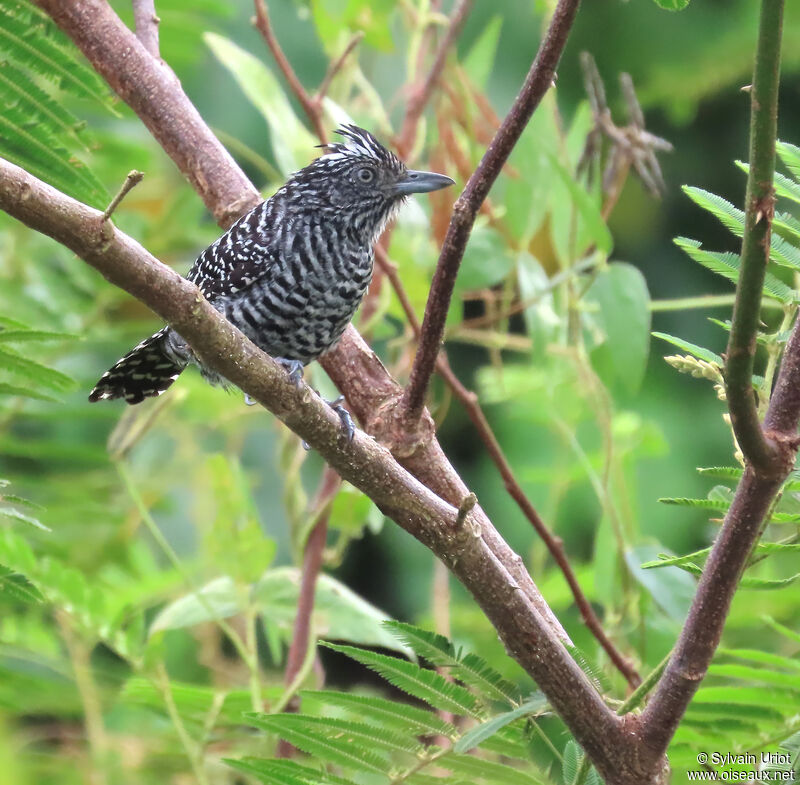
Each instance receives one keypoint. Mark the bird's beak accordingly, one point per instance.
(420, 183)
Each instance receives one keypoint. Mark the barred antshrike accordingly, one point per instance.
(291, 273)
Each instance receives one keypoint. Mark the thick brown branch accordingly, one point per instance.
(309, 106)
(466, 208)
(146, 24)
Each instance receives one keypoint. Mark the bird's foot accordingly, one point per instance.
(344, 416)
(295, 370)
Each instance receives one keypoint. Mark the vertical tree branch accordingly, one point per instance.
(759, 210)
(146, 23)
(466, 208)
(769, 463)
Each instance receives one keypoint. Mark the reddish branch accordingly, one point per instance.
(539, 79)
(309, 106)
(312, 564)
(419, 95)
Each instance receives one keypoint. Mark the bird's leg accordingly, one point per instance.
(295, 370)
(344, 416)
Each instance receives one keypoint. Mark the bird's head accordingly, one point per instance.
(359, 179)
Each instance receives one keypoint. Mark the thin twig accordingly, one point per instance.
(419, 95)
(146, 23)
(131, 181)
(264, 26)
(539, 79)
(335, 67)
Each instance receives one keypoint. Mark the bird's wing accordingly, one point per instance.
(242, 255)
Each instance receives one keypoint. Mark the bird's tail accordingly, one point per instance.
(145, 371)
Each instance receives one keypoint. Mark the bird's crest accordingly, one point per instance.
(362, 144)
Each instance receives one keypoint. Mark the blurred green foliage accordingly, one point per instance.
(150, 556)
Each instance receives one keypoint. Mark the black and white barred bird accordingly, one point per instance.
(292, 272)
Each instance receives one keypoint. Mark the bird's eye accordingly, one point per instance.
(365, 175)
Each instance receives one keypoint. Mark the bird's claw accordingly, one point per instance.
(344, 416)
(295, 370)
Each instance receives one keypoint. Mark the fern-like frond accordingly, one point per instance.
(426, 685)
(469, 668)
(28, 37)
(315, 738)
(390, 714)
(284, 772)
(727, 265)
(781, 251)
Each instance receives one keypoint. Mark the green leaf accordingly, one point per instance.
(16, 586)
(309, 734)
(672, 590)
(218, 599)
(704, 504)
(623, 316)
(672, 5)
(690, 348)
(392, 714)
(787, 681)
(291, 143)
(592, 229)
(784, 186)
(34, 371)
(761, 657)
(284, 772)
(790, 155)
(479, 61)
(37, 43)
(727, 265)
(733, 473)
(426, 685)
(479, 734)
(16, 515)
(469, 668)
(472, 767)
(23, 392)
(781, 251)
(24, 336)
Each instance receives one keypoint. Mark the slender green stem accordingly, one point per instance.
(192, 749)
(759, 211)
(156, 534)
(90, 699)
(636, 698)
(774, 351)
(251, 641)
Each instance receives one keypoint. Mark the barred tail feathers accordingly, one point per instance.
(144, 372)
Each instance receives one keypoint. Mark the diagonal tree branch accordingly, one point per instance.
(467, 206)
(527, 635)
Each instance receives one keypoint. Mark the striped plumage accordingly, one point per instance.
(292, 272)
